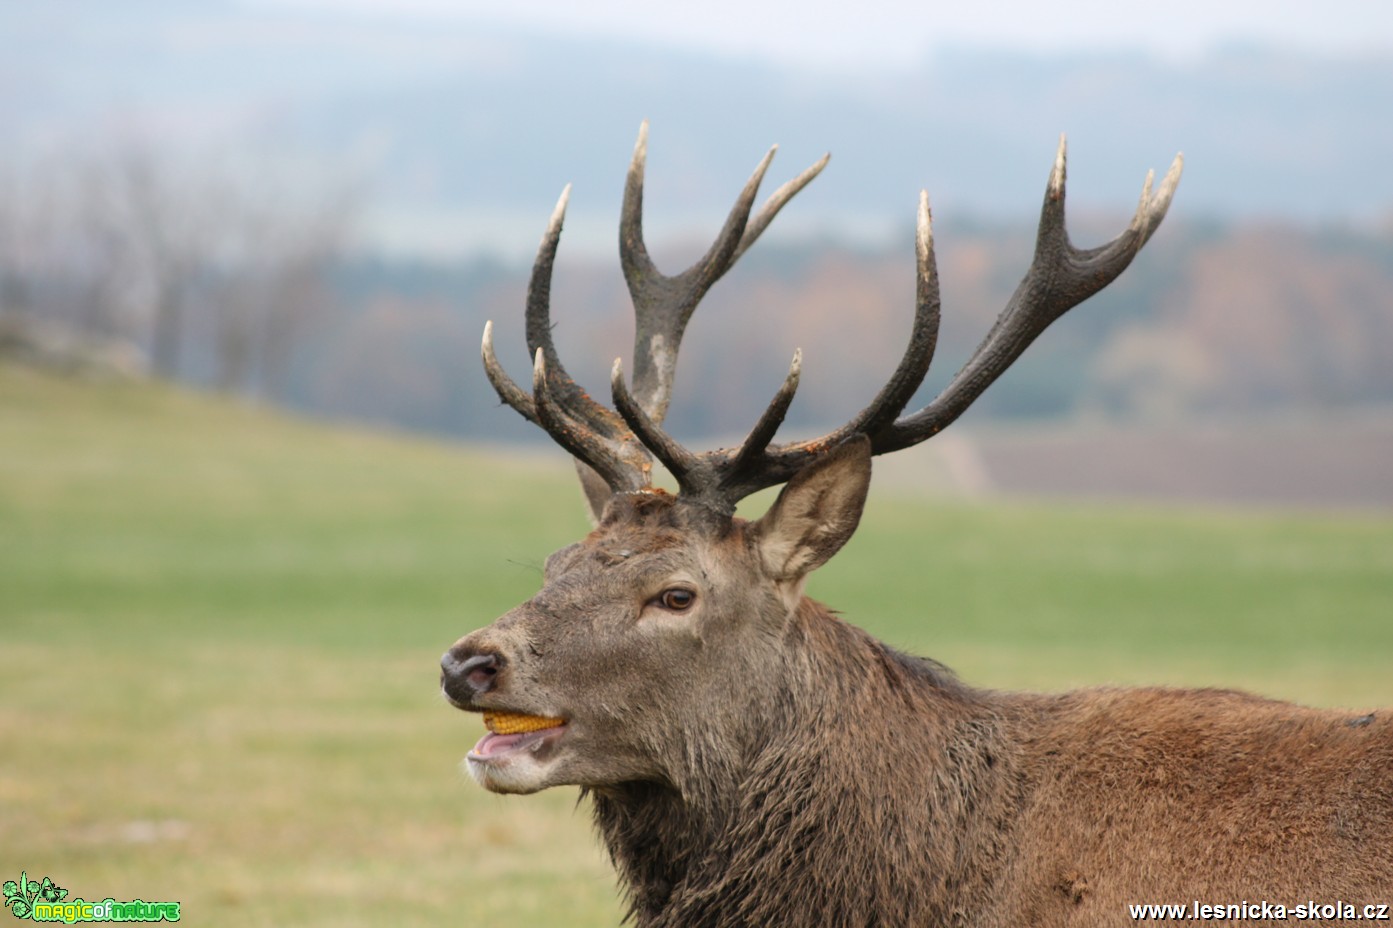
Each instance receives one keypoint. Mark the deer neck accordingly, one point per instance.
(871, 771)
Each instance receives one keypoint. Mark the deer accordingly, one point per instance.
(750, 758)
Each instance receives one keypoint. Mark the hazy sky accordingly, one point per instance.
(896, 31)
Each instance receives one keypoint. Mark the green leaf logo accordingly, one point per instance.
(20, 896)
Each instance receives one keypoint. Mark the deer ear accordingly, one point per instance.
(816, 512)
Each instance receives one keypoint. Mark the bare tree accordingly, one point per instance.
(296, 287)
(264, 280)
(218, 260)
(97, 251)
(17, 243)
(164, 226)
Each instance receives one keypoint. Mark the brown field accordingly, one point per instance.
(1343, 463)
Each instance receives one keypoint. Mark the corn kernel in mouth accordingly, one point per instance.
(515, 723)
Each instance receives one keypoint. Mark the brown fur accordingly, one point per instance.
(890, 794)
(754, 764)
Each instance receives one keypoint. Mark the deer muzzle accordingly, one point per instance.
(465, 676)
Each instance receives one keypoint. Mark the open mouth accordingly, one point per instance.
(512, 733)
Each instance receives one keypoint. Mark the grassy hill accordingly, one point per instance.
(220, 632)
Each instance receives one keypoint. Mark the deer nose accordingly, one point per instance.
(464, 677)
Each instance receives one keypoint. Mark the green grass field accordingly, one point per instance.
(219, 632)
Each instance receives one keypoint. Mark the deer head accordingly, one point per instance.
(674, 642)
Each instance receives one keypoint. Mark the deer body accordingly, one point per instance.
(1004, 812)
(967, 807)
(753, 760)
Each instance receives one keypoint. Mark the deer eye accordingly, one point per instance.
(676, 599)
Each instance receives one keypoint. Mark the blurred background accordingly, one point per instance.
(253, 480)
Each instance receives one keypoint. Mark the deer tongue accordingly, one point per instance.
(492, 744)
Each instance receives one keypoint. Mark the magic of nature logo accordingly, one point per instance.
(46, 901)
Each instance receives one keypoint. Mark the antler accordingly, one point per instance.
(599, 439)
(1060, 277)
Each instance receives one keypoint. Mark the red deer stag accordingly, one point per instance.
(753, 760)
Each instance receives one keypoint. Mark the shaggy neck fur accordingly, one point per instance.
(798, 829)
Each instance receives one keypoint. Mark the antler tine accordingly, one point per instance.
(663, 304)
(776, 202)
(681, 463)
(1151, 210)
(923, 339)
(762, 434)
(508, 391)
(567, 392)
(583, 443)
(633, 251)
(1060, 277)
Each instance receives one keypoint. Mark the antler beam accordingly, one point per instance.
(601, 440)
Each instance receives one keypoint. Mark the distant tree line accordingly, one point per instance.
(234, 279)
(215, 273)
(1212, 321)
